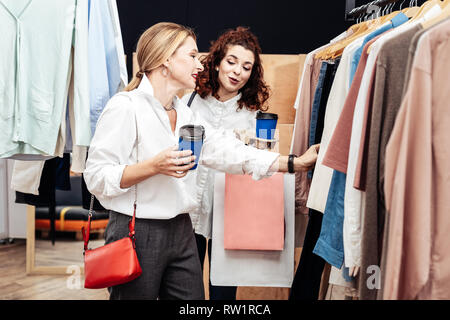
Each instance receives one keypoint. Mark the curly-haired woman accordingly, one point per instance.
(230, 90)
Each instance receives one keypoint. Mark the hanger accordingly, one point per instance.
(387, 18)
(334, 52)
(367, 28)
(412, 10)
(401, 4)
(364, 28)
(443, 15)
(357, 30)
(425, 7)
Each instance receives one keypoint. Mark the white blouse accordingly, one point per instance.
(218, 115)
(160, 197)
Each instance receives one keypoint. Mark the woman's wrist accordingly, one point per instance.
(133, 174)
(299, 164)
(150, 167)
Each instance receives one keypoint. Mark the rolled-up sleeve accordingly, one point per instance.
(223, 152)
(111, 149)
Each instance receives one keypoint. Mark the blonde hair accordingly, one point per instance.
(155, 46)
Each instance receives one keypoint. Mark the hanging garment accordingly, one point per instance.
(55, 175)
(104, 66)
(361, 168)
(34, 93)
(307, 279)
(300, 136)
(306, 283)
(336, 156)
(353, 198)
(320, 183)
(398, 20)
(417, 177)
(26, 176)
(389, 76)
(316, 108)
(330, 245)
(299, 145)
(411, 54)
(340, 278)
(119, 44)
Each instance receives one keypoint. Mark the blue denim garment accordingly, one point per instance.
(398, 20)
(316, 104)
(330, 245)
(315, 107)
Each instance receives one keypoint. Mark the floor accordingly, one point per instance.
(15, 284)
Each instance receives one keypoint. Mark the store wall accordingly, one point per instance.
(282, 26)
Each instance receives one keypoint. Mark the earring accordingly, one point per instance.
(217, 69)
(165, 71)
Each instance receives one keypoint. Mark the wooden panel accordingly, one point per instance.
(30, 249)
(285, 136)
(262, 293)
(282, 74)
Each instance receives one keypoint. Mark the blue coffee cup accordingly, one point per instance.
(191, 138)
(266, 124)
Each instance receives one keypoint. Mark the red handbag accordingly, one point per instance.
(115, 263)
(112, 264)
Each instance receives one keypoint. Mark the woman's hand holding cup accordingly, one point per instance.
(174, 163)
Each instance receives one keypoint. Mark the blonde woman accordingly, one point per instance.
(134, 153)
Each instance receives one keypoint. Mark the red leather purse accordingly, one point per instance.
(111, 264)
(115, 263)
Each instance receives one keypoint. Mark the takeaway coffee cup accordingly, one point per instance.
(191, 138)
(266, 124)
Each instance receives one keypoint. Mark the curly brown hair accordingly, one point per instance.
(255, 92)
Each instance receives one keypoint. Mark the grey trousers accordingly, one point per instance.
(168, 256)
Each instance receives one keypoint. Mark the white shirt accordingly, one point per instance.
(159, 197)
(218, 115)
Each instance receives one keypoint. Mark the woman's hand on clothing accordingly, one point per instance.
(308, 159)
(305, 162)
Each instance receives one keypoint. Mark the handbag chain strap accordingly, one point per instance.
(132, 222)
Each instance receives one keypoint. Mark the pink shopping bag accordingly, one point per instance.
(254, 213)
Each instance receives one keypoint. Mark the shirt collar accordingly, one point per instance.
(229, 103)
(146, 87)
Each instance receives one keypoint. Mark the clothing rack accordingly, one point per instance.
(367, 9)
